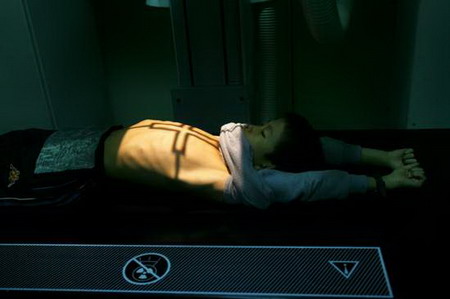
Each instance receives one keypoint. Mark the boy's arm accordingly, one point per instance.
(339, 153)
(316, 185)
(374, 157)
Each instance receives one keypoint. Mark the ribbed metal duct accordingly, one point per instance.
(267, 75)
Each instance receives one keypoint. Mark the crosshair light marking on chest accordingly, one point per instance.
(182, 133)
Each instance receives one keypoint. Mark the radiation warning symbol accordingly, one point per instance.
(146, 268)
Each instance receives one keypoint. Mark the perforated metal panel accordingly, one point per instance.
(350, 272)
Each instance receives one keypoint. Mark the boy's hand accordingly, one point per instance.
(401, 157)
(410, 176)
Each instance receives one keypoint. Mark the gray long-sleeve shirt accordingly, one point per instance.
(327, 184)
(306, 186)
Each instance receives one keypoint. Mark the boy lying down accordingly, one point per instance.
(280, 161)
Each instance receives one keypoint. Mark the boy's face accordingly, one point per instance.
(263, 140)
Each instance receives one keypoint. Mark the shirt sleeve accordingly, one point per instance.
(314, 185)
(234, 195)
(339, 153)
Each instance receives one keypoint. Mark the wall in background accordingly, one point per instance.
(429, 91)
(51, 74)
(404, 51)
(350, 85)
(68, 48)
(139, 59)
(70, 63)
(22, 99)
(363, 83)
(393, 71)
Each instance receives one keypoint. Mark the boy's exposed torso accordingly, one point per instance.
(169, 155)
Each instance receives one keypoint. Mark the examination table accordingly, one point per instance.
(406, 225)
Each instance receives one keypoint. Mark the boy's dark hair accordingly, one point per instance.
(300, 148)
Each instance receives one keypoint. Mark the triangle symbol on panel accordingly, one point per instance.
(346, 268)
